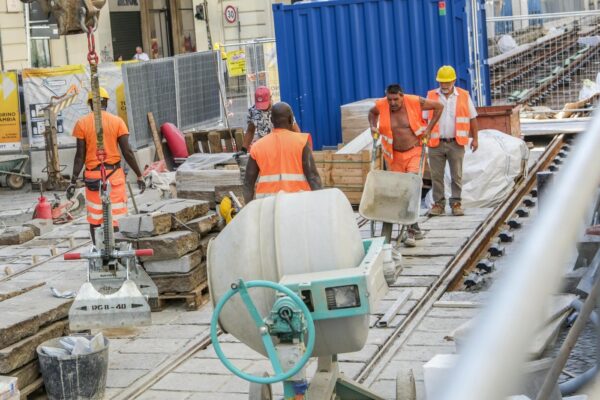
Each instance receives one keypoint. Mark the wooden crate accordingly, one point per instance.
(503, 118)
(224, 140)
(347, 172)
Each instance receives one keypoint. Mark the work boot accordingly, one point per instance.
(437, 210)
(418, 232)
(411, 240)
(457, 210)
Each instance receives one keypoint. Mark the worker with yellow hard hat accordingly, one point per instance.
(449, 138)
(116, 136)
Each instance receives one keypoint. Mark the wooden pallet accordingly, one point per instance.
(193, 299)
(221, 141)
(347, 172)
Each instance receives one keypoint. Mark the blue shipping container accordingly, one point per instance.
(336, 52)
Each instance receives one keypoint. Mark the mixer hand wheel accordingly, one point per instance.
(241, 288)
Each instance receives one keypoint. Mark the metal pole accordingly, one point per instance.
(27, 34)
(1, 54)
(542, 16)
(498, 345)
(569, 343)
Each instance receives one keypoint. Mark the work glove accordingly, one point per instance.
(71, 190)
(141, 185)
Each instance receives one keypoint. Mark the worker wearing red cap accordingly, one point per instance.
(259, 117)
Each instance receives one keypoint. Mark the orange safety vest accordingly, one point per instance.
(118, 197)
(415, 119)
(463, 118)
(279, 159)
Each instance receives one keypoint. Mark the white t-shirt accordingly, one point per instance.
(141, 57)
(447, 121)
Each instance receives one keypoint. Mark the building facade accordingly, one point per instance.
(162, 27)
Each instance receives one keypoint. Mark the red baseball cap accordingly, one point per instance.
(262, 98)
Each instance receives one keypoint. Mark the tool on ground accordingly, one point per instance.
(63, 211)
(117, 291)
(229, 207)
(313, 309)
(393, 197)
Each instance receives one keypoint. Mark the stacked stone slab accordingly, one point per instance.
(209, 177)
(177, 230)
(27, 319)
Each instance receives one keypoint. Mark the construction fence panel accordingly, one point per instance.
(183, 90)
(545, 61)
(245, 67)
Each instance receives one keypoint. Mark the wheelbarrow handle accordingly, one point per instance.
(422, 160)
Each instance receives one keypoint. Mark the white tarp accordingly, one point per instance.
(489, 173)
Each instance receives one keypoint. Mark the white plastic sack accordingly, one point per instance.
(588, 89)
(489, 173)
(589, 40)
(506, 43)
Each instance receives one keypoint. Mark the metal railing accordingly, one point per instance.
(490, 364)
(545, 59)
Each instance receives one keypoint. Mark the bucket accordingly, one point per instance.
(81, 377)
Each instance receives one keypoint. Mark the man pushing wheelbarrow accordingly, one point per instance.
(395, 197)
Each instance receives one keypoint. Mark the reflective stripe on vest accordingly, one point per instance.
(279, 159)
(463, 120)
(415, 120)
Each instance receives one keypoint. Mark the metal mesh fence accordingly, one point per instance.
(183, 90)
(545, 60)
(247, 66)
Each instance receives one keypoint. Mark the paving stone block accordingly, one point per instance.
(170, 245)
(180, 283)
(16, 235)
(23, 315)
(172, 331)
(179, 265)
(118, 360)
(145, 225)
(191, 382)
(24, 351)
(122, 378)
(164, 395)
(181, 210)
(205, 224)
(204, 242)
(27, 374)
(364, 355)
(40, 226)
(152, 346)
(209, 366)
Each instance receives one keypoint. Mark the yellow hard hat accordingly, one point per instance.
(103, 94)
(446, 74)
(226, 209)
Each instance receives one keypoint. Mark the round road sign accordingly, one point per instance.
(231, 14)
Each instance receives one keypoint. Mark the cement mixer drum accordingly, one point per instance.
(287, 235)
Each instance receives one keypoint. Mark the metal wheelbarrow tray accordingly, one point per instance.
(391, 197)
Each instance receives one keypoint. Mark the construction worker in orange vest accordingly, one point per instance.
(449, 138)
(280, 161)
(398, 117)
(116, 136)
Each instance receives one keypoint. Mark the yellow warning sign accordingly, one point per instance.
(10, 116)
(236, 63)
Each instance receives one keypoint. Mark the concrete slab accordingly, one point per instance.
(191, 382)
(122, 378)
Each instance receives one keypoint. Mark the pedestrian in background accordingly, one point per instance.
(449, 138)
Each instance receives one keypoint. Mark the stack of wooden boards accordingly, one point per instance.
(28, 317)
(347, 172)
(218, 141)
(178, 230)
(209, 177)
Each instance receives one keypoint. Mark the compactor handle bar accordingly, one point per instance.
(117, 254)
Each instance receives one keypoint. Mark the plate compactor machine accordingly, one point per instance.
(299, 283)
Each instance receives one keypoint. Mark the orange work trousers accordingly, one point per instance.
(118, 197)
(406, 161)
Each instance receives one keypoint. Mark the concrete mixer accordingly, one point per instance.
(291, 278)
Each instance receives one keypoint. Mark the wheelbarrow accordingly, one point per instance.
(12, 166)
(392, 197)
